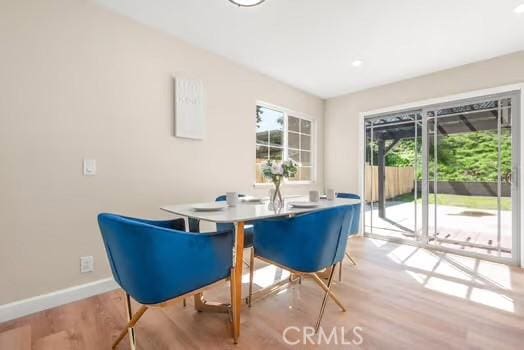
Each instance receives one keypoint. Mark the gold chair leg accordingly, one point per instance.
(351, 259)
(129, 315)
(251, 272)
(340, 271)
(132, 320)
(324, 300)
(327, 289)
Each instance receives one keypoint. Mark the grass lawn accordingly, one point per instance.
(472, 202)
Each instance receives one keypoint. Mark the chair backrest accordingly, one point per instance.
(194, 224)
(355, 222)
(347, 195)
(154, 263)
(224, 197)
(306, 243)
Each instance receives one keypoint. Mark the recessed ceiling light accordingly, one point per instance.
(519, 9)
(247, 3)
(356, 63)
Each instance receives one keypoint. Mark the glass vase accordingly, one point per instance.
(276, 195)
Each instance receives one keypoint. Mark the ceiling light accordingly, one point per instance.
(247, 3)
(356, 63)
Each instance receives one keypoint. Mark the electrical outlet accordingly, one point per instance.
(87, 264)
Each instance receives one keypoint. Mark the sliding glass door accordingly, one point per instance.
(470, 170)
(392, 170)
(444, 176)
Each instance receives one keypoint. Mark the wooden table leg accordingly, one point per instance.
(203, 305)
(236, 280)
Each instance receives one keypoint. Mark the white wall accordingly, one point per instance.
(79, 81)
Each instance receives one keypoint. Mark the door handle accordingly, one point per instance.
(515, 177)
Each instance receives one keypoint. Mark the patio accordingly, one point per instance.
(463, 228)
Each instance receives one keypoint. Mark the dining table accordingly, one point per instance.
(246, 210)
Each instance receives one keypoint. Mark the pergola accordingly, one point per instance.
(389, 130)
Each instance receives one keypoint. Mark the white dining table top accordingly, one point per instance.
(248, 211)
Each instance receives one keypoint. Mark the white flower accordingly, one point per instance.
(277, 169)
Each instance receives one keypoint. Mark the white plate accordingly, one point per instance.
(251, 200)
(210, 206)
(304, 204)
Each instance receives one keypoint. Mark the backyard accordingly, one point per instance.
(464, 171)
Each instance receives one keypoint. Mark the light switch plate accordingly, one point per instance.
(89, 167)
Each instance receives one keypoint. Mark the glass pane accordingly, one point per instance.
(262, 157)
(305, 158)
(295, 177)
(270, 125)
(305, 143)
(293, 140)
(294, 154)
(470, 192)
(305, 126)
(305, 173)
(276, 137)
(293, 124)
(263, 137)
(391, 175)
(275, 153)
(506, 211)
(262, 153)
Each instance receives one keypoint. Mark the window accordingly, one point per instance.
(282, 135)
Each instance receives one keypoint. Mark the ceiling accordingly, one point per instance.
(311, 44)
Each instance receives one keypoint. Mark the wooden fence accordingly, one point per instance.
(398, 181)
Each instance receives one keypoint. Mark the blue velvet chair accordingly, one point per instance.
(150, 260)
(355, 222)
(353, 228)
(306, 244)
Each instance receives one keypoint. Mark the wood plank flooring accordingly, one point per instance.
(402, 297)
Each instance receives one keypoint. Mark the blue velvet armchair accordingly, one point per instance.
(354, 226)
(150, 260)
(305, 244)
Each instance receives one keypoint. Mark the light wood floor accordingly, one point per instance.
(401, 296)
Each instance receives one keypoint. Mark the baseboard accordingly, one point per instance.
(47, 301)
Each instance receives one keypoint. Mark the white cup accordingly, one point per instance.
(314, 196)
(232, 198)
(330, 194)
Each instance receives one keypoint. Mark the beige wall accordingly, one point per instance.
(342, 113)
(79, 81)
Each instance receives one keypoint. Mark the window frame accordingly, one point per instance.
(313, 135)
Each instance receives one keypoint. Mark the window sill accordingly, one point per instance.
(285, 184)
